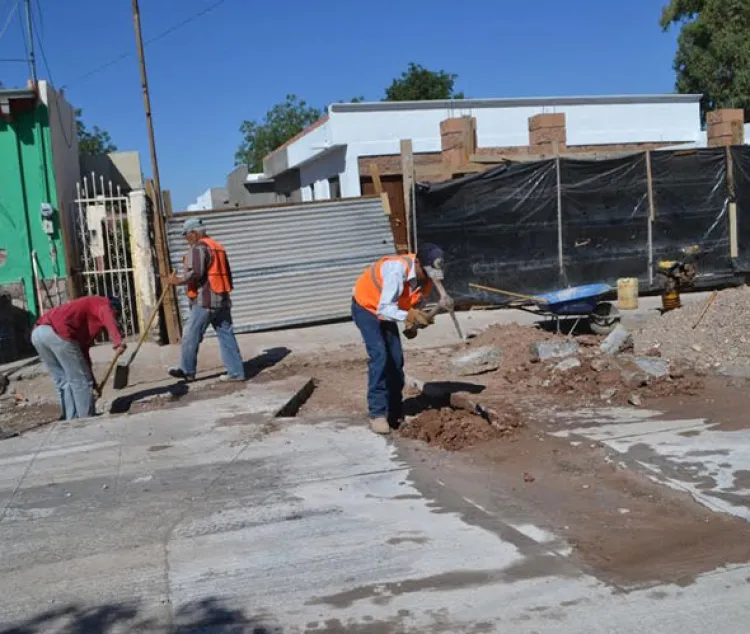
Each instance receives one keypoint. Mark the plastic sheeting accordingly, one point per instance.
(505, 228)
(741, 171)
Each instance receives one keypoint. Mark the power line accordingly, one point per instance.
(151, 40)
(9, 18)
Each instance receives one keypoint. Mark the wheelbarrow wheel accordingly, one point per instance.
(604, 319)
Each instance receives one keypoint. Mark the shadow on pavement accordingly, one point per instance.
(253, 367)
(210, 615)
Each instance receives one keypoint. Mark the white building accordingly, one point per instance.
(325, 160)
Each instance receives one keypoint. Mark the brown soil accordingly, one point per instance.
(623, 528)
(449, 429)
(20, 415)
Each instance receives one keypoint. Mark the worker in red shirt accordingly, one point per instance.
(63, 337)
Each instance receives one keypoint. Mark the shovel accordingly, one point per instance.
(122, 374)
(98, 389)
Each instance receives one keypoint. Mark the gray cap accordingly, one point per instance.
(192, 224)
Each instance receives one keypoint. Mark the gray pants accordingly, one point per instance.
(71, 374)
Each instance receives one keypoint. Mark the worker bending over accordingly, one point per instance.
(63, 338)
(208, 279)
(390, 291)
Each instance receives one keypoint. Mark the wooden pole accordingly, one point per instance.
(375, 175)
(651, 216)
(560, 254)
(407, 170)
(734, 247)
(159, 227)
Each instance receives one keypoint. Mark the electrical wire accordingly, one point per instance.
(9, 18)
(151, 40)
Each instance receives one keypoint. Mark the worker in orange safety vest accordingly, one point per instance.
(208, 278)
(390, 291)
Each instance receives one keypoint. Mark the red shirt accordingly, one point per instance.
(82, 321)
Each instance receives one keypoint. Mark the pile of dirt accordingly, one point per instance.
(720, 342)
(451, 429)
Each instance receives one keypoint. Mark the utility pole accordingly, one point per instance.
(159, 228)
(30, 30)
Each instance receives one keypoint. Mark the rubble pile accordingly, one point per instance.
(720, 343)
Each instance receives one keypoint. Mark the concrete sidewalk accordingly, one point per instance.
(217, 517)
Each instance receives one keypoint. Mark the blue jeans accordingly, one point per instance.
(69, 370)
(385, 365)
(221, 321)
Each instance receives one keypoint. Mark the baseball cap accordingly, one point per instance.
(191, 224)
(116, 304)
(431, 256)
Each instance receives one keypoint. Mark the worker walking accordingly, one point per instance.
(208, 278)
(63, 338)
(390, 291)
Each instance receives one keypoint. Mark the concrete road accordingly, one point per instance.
(218, 517)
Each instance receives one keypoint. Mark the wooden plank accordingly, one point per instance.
(375, 175)
(407, 169)
(651, 216)
(386, 203)
(734, 245)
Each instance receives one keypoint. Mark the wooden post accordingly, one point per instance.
(560, 254)
(734, 247)
(171, 307)
(375, 175)
(407, 171)
(651, 216)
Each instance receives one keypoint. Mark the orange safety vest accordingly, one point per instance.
(219, 279)
(369, 286)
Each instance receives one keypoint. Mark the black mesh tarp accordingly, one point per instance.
(500, 228)
(690, 200)
(741, 171)
(497, 228)
(604, 219)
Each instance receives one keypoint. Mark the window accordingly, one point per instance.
(335, 187)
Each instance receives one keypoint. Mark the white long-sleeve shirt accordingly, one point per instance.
(392, 273)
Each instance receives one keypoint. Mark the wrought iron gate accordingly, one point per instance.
(105, 259)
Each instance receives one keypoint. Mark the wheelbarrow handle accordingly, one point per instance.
(529, 298)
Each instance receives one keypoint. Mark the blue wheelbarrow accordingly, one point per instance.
(577, 303)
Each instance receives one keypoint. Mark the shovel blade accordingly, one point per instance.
(122, 375)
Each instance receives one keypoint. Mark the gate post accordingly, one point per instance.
(143, 268)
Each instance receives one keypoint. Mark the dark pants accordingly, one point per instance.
(385, 366)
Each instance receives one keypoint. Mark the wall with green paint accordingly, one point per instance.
(27, 179)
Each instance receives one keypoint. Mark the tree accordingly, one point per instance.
(421, 84)
(713, 50)
(282, 122)
(96, 141)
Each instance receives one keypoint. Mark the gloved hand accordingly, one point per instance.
(411, 332)
(418, 318)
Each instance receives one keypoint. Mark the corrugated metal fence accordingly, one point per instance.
(292, 264)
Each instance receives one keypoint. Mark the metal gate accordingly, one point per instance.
(103, 246)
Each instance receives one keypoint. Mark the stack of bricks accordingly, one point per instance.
(547, 134)
(458, 141)
(726, 127)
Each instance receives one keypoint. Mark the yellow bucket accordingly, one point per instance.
(670, 301)
(627, 293)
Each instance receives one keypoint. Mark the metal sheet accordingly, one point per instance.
(293, 264)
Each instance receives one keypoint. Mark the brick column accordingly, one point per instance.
(547, 134)
(726, 127)
(458, 140)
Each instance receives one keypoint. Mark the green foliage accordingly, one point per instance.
(96, 141)
(713, 53)
(280, 124)
(420, 84)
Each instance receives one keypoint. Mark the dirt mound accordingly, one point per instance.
(456, 429)
(719, 342)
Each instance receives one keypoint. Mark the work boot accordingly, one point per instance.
(179, 373)
(380, 425)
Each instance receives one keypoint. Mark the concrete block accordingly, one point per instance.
(544, 350)
(479, 361)
(549, 120)
(653, 367)
(617, 341)
(568, 364)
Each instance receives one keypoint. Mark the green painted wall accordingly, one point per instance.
(26, 180)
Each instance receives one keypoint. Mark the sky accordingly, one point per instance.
(232, 60)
